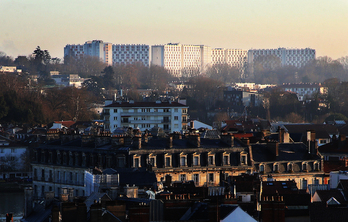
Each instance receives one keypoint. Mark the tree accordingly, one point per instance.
(224, 73)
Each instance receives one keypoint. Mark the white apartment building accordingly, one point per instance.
(305, 91)
(170, 116)
(129, 54)
(281, 56)
(178, 58)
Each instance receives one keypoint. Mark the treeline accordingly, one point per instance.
(316, 71)
(20, 104)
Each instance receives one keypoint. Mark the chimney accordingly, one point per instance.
(281, 134)
(246, 141)
(195, 140)
(228, 139)
(192, 125)
(137, 142)
(341, 141)
(273, 147)
(170, 141)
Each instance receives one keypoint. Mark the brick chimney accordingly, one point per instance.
(137, 142)
(228, 139)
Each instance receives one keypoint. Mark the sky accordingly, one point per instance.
(235, 24)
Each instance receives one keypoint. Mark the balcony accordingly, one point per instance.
(146, 114)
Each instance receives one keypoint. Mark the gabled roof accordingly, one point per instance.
(326, 195)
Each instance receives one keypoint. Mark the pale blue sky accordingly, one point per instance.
(245, 24)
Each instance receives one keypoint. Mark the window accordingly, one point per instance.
(152, 161)
(195, 160)
(183, 177)
(184, 119)
(226, 160)
(115, 126)
(176, 117)
(176, 125)
(13, 150)
(304, 184)
(168, 162)
(184, 110)
(304, 167)
(290, 167)
(136, 162)
(182, 161)
(316, 181)
(148, 125)
(211, 177)
(166, 127)
(176, 110)
(243, 159)
(316, 166)
(276, 168)
(166, 110)
(115, 110)
(262, 168)
(115, 117)
(196, 178)
(211, 160)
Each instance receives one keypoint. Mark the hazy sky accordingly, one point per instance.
(244, 24)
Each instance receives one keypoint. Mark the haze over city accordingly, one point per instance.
(230, 24)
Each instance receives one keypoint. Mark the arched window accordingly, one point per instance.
(276, 167)
(290, 167)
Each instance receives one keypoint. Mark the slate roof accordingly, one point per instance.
(138, 176)
(146, 104)
(320, 212)
(287, 152)
(321, 130)
(335, 146)
(184, 144)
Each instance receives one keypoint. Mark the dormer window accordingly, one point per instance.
(168, 160)
(136, 161)
(305, 167)
(226, 159)
(276, 167)
(316, 166)
(211, 159)
(196, 160)
(243, 158)
(262, 168)
(290, 167)
(152, 160)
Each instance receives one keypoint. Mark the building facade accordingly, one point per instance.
(117, 54)
(129, 54)
(95, 48)
(170, 116)
(207, 162)
(305, 91)
(272, 58)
